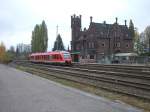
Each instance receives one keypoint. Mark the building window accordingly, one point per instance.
(102, 34)
(89, 45)
(127, 45)
(92, 44)
(82, 57)
(78, 47)
(118, 44)
(103, 44)
(91, 56)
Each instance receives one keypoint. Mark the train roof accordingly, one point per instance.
(47, 53)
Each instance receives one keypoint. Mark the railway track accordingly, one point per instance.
(131, 83)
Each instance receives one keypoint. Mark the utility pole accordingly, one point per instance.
(56, 30)
(57, 35)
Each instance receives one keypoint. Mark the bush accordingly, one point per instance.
(145, 54)
(6, 58)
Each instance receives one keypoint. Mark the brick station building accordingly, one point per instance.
(99, 41)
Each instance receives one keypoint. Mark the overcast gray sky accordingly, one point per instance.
(18, 17)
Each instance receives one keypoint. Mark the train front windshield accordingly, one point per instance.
(66, 56)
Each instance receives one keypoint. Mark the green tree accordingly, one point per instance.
(45, 36)
(34, 41)
(58, 45)
(12, 49)
(138, 46)
(17, 51)
(147, 33)
(131, 29)
(39, 42)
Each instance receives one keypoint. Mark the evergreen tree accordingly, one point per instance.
(12, 49)
(58, 45)
(131, 29)
(39, 42)
(17, 51)
(68, 48)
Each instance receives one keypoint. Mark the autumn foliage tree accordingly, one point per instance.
(5, 56)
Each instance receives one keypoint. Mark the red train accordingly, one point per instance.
(54, 57)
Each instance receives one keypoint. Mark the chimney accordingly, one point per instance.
(104, 22)
(116, 19)
(80, 16)
(91, 19)
(125, 22)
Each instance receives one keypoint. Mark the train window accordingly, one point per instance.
(49, 57)
(57, 56)
(53, 57)
(45, 57)
(66, 55)
(60, 56)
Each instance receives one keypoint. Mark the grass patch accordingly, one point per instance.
(140, 103)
